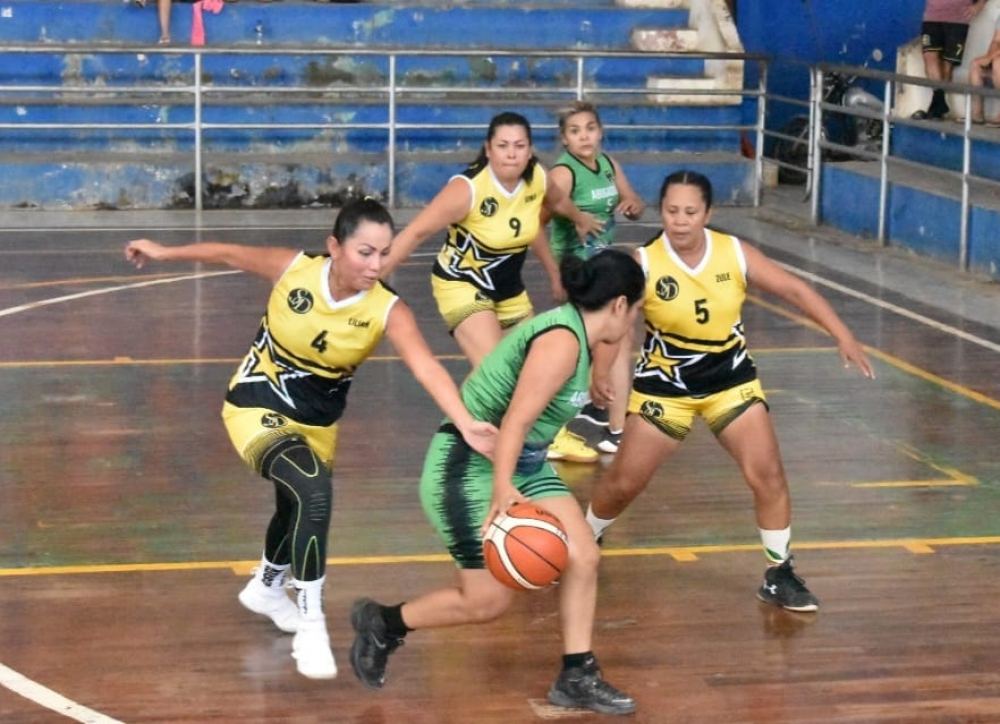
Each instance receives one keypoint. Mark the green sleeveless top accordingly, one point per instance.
(488, 390)
(594, 192)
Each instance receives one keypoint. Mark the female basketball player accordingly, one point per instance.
(325, 315)
(597, 184)
(491, 211)
(531, 384)
(695, 362)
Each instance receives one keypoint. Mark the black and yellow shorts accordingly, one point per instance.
(674, 415)
(255, 430)
(458, 300)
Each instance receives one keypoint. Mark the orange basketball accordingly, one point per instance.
(526, 548)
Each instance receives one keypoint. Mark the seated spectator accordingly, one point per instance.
(981, 68)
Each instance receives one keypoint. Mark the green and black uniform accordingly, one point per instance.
(457, 483)
(594, 191)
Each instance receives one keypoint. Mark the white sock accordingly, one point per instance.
(309, 595)
(777, 544)
(598, 525)
(272, 575)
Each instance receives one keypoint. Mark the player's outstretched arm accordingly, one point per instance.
(449, 206)
(402, 331)
(267, 262)
(765, 274)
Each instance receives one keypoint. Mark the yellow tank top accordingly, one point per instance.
(487, 248)
(694, 342)
(308, 346)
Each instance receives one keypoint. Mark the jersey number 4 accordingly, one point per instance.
(319, 342)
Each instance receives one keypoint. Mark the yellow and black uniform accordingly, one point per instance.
(295, 378)
(479, 266)
(694, 358)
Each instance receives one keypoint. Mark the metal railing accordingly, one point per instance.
(820, 146)
(386, 88)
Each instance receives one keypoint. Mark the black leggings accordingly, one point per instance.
(298, 530)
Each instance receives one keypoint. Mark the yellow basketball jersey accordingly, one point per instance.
(487, 248)
(694, 330)
(308, 346)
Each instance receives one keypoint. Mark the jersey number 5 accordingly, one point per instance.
(701, 311)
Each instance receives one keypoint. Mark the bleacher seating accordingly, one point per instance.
(253, 157)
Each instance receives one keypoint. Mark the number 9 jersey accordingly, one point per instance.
(694, 343)
(487, 248)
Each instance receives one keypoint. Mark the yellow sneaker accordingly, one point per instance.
(572, 448)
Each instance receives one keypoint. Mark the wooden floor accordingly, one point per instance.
(129, 524)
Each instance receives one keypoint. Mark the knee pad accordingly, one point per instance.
(297, 471)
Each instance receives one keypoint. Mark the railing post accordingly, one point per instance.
(963, 232)
(815, 157)
(883, 175)
(758, 165)
(392, 131)
(198, 187)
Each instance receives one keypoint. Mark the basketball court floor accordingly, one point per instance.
(129, 524)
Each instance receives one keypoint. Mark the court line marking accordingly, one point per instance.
(108, 290)
(679, 553)
(902, 311)
(44, 696)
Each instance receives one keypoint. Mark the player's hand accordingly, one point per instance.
(558, 292)
(588, 224)
(602, 392)
(504, 496)
(481, 437)
(139, 250)
(630, 208)
(852, 353)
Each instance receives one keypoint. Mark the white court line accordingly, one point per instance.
(58, 703)
(940, 326)
(107, 290)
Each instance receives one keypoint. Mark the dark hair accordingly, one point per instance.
(688, 178)
(357, 211)
(577, 107)
(602, 278)
(507, 118)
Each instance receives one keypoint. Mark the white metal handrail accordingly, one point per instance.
(390, 91)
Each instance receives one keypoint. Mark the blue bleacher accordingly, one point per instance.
(324, 158)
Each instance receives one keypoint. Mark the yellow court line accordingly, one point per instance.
(678, 553)
(891, 360)
(965, 481)
(87, 280)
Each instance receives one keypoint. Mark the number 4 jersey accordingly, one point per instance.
(308, 346)
(694, 342)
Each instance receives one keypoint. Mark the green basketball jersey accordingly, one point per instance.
(488, 390)
(594, 192)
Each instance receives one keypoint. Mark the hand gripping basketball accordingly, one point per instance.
(526, 548)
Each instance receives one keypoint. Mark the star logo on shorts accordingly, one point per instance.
(468, 260)
(264, 364)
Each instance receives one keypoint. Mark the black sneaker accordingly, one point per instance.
(782, 587)
(610, 441)
(372, 646)
(593, 414)
(583, 688)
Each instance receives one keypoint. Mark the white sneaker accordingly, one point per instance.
(271, 602)
(311, 651)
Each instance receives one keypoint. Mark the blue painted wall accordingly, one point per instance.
(844, 32)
